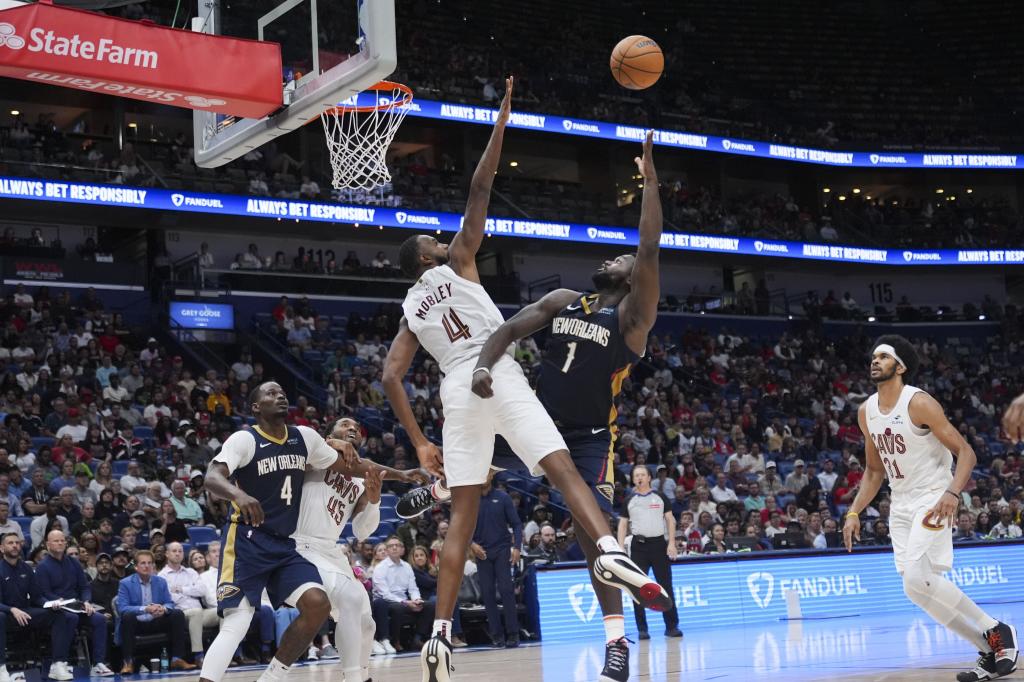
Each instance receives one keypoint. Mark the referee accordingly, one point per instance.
(647, 516)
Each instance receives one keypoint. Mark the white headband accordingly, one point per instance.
(891, 352)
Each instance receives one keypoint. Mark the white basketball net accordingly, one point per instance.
(358, 139)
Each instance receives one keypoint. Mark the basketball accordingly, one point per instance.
(637, 62)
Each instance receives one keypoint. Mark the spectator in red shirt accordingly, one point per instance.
(66, 449)
(108, 340)
(689, 478)
(280, 308)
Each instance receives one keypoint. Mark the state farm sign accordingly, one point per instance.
(88, 51)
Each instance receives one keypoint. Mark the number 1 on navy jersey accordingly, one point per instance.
(569, 356)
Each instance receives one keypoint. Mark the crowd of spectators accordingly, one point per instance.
(754, 442)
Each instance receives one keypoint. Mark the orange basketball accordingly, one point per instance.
(637, 62)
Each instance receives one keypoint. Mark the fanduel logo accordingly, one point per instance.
(402, 217)
(576, 599)
(580, 127)
(755, 581)
(884, 158)
(105, 50)
(760, 246)
(918, 256)
(202, 202)
(598, 233)
(737, 146)
(9, 37)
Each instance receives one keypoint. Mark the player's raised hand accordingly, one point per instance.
(482, 384)
(431, 459)
(645, 163)
(252, 512)
(346, 451)
(373, 481)
(506, 104)
(1013, 420)
(851, 531)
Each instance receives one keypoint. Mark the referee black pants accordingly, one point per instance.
(651, 553)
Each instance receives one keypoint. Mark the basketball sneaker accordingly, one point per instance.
(616, 661)
(984, 669)
(618, 570)
(1003, 640)
(419, 500)
(436, 660)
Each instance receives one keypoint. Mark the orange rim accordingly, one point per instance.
(380, 86)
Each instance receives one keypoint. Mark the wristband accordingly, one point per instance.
(851, 513)
(956, 495)
(482, 369)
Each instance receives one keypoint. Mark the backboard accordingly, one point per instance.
(331, 50)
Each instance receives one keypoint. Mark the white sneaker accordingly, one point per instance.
(101, 670)
(387, 646)
(59, 671)
(314, 654)
(378, 650)
(10, 677)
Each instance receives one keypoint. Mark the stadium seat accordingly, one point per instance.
(202, 535)
(143, 432)
(119, 467)
(41, 441)
(388, 501)
(25, 522)
(385, 528)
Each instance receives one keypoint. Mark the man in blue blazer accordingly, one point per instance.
(145, 607)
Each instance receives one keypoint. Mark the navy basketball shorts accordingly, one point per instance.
(253, 560)
(591, 452)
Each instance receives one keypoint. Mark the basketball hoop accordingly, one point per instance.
(359, 132)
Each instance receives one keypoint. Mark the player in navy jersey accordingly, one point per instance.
(595, 339)
(260, 471)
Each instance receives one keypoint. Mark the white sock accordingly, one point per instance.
(973, 612)
(966, 628)
(442, 628)
(275, 672)
(614, 628)
(440, 492)
(606, 543)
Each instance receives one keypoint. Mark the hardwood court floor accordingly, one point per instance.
(900, 647)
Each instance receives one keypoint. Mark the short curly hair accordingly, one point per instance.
(906, 351)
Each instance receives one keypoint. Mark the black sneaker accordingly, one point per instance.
(1003, 640)
(618, 570)
(616, 661)
(436, 660)
(673, 632)
(417, 501)
(984, 669)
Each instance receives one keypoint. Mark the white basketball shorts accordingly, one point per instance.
(915, 534)
(471, 422)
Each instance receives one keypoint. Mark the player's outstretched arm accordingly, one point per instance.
(925, 411)
(366, 515)
(462, 251)
(217, 482)
(640, 307)
(399, 360)
(874, 474)
(527, 321)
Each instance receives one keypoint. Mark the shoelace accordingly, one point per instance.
(617, 655)
(995, 640)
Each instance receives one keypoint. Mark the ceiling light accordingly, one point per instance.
(939, 190)
(15, 112)
(513, 163)
(826, 190)
(871, 319)
(856, 190)
(842, 197)
(969, 190)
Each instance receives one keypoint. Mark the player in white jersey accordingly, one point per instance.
(449, 313)
(909, 440)
(329, 501)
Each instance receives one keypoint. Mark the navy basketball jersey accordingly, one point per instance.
(584, 363)
(274, 475)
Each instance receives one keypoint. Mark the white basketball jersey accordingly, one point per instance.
(451, 316)
(328, 500)
(915, 461)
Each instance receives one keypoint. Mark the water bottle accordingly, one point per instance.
(164, 663)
